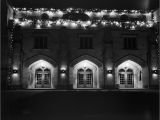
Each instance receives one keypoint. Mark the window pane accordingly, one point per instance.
(130, 43)
(129, 78)
(40, 42)
(86, 42)
(122, 79)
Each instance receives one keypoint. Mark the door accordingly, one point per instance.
(126, 78)
(129, 78)
(85, 78)
(43, 78)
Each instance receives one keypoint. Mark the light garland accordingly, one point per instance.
(27, 17)
(10, 62)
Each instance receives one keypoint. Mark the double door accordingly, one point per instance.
(85, 78)
(43, 78)
(126, 78)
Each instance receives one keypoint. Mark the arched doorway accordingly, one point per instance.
(129, 75)
(41, 74)
(85, 75)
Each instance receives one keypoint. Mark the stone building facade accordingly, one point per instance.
(102, 58)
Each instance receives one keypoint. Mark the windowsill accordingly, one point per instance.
(35, 49)
(129, 49)
(86, 49)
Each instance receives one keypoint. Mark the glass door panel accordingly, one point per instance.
(89, 81)
(38, 80)
(81, 80)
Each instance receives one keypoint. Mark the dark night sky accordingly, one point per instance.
(108, 4)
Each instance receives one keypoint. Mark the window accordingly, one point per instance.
(40, 42)
(86, 42)
(130, 43)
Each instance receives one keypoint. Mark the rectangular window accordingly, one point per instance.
(130, 43)
(40, 42)
(86, 42)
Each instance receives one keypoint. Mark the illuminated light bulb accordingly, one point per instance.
(112, 13)
(59, 13)
(88, 22)
(16, 20)
(103, 23)
(84, 25)
(50, 13)
(117, 23)
(90, 14)
(65, 23)
(133, 27)
(69, 9)
(23, 8)
(150, 24)
(38, 26)
(94, 25)
(22, 24)
(73, 25)
(99, 14)
(58, 23)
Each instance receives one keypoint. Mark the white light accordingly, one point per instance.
(73, 25)
(59, 13)
(133, 27)
(69, 9)
(99, 14)
(93, 25)
(38, 26)
(65, 23)
(23, 8)
(22, 24)
(90, 14)
(15, 75)
(16, 20)
(58, 23)
(15, 67)
(112, 13)
(50, 13)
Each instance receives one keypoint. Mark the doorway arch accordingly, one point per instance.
(41, 75)
(129, 75)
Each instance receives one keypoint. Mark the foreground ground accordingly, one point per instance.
(80, 105)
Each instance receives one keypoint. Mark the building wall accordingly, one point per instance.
(108, 50)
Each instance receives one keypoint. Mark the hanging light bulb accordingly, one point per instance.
(16, 21)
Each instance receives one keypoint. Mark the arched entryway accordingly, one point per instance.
(85, 75)
(129, 75)
(86, 72)
(41, 74)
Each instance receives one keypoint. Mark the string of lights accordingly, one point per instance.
(11, 50)
(52, 18)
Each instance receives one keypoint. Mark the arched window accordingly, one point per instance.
(84, 78)
(43, 78)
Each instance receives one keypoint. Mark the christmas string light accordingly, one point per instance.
(27, 17)
(10, 62)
